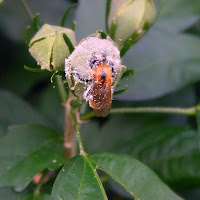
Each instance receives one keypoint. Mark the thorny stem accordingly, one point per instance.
(27, 9)
(71, 123)
(169, 110)
(69, 126)
(69, 130)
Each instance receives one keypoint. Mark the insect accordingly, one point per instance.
(93, 70)
(101, 92)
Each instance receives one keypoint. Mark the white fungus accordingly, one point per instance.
(86, 56)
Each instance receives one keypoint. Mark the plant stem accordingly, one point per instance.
(169, 110)
(69, 126)
(69, 130)
(61, 89)
(27, 9)
(78, 135)
(82, 152)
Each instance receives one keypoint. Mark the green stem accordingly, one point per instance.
(78, 135)
(61, 88)
(82, 151)
(27, 9)
(69, 130)
(169, 110)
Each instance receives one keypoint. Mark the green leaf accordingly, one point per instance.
(35, 22)
(128, 72)
(66, 14)
(78, 180)
(108, 2)
(108, 135)
(3, 128)
(37, 197)
(177, 164)
(103, 35)
(129, 42)
(140, 181)
(171, 151)
(14, 57)
(16, 111)
(69, 43)
(28, 34)
(121, 91)
(48, 103)
(31, 69)
(73, 26)
(7, 193)
(27, 150)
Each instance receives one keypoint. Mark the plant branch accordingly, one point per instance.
(69, 130)
(164, 110)
(27, 9)
(69, 127)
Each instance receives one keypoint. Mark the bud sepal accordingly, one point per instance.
(128, 20)
(49, 47)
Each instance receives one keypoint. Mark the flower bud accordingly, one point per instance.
(128, 19)
(93, 70)
(49, 48)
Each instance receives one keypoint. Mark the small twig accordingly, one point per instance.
(170, 110)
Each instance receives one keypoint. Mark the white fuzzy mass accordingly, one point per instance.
(86, 57)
